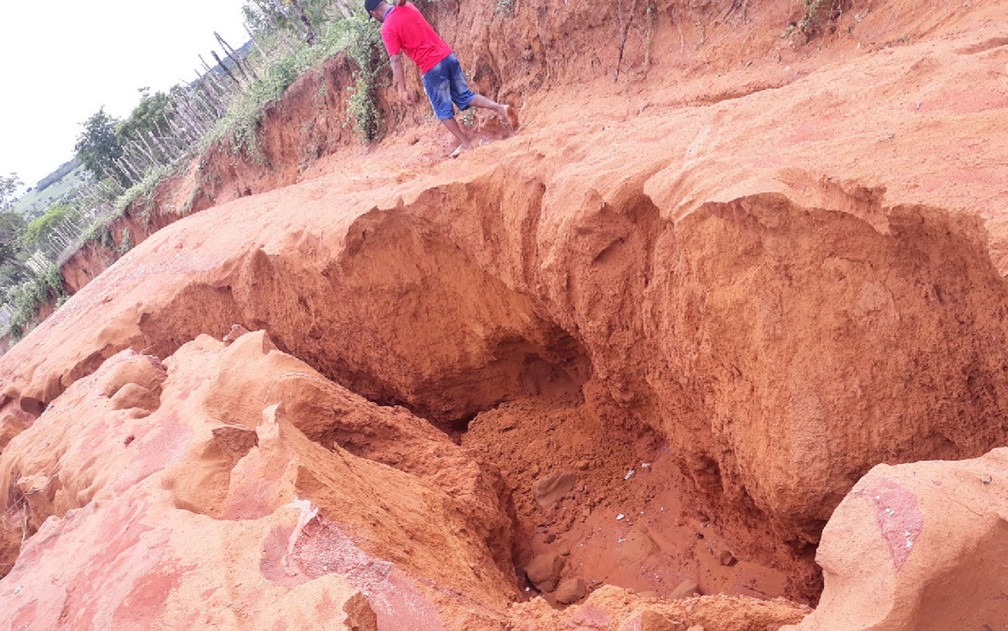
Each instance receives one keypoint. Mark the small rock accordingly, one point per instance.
(620, 516)
(359, 614)
(685, 589)
(544, 570)
(549, 488)
(236, 331)
(570, 591)
(629, 474)
(726, 558)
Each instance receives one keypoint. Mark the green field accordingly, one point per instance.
(35, 203)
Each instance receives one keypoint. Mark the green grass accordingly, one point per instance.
(35, 203)
(365, 49)
(99, 232)
(143, 190)
(41, 226)
(27, 298)
(240, 126)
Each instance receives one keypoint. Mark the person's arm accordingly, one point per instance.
(399, 78)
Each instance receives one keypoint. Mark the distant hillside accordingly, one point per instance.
(57, 174)
(58, 186)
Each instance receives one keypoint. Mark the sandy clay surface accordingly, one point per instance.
(715, 343)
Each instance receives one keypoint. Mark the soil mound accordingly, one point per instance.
(910, 545)
(189, 505)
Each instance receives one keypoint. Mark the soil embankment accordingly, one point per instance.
(661, 333)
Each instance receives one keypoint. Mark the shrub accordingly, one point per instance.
(40, 227)
(99, 232)
(241, 123)
(125, 242)
(144, 189)
(27, 298)
(818, 14)
(365, 50)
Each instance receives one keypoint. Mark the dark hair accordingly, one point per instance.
(371, 5)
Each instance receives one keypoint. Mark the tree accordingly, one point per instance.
(12, 266)
(149, 120)
(8, 190)
(147, 115)
(44, 226)
(299, 16)
(98, 148)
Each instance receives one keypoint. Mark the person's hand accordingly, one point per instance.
(406, 96)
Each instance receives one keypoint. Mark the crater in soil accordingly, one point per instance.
(660, 397)
(600, 499)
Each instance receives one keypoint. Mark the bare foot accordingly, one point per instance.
(460, 150)
(512, 117)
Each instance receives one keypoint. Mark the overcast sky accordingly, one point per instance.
(61, 60)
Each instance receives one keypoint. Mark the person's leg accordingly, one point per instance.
(503, 110)
(465, 98)
(453, 127)
(437, 85)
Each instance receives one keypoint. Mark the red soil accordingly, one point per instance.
(654, 339)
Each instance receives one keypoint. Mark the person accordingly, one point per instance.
(404, 29)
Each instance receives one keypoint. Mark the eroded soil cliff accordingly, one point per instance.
(633, 357)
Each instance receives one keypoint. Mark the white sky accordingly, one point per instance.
(61, 60)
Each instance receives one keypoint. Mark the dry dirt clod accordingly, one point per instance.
(726, 558)
(360, 615)
(685, 589)
(570, 590)
(550, 488)
(543, 571)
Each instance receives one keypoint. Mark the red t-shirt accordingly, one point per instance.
(406, 29)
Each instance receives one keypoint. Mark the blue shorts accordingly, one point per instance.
(445, 84)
